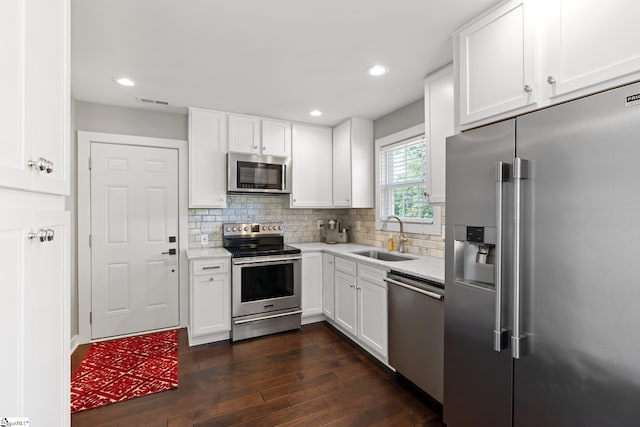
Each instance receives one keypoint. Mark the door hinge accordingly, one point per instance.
(89, 163)
(89, 240)
(91, 317)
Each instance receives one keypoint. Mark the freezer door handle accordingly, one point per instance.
(500, 334)
(519, 345)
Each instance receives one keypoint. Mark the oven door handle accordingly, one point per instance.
(273, 316)
(266, 261)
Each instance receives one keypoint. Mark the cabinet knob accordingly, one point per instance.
(31, 235)
(211, 279)
(351, 285)
(41, 164)
(264, 148)
(49, 166)
(50, 234)
(551, 80)
(528, 89)
(255, 147)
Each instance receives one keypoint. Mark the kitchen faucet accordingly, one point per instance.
(401, 240)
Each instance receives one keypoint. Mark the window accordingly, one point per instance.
(403, 181)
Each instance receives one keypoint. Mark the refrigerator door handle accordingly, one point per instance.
(500, 333)
(519, 344)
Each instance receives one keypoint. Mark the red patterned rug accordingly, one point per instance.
(117, 370)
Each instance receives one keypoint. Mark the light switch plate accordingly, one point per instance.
(204, 239)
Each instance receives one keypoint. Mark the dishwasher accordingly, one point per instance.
(416, 331)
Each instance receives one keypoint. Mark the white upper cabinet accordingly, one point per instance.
(207, 159)
(527, 54)
(590, 45)
(34, 83)
(244, 134)
(254, 135)
(353, 164)
(311, 174)
(276, 138)
(495, 61)
(439, 124)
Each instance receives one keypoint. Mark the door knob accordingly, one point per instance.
(170, 252)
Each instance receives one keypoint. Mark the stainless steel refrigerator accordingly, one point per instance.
(542, 315)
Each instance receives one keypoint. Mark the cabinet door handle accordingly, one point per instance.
(49, 166)
(212, 267)
(50, 234)
(42, 235)
(528, 89)
(551, 80)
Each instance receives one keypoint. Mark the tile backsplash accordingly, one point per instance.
(301, 224)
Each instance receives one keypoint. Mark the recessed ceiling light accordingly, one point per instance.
(125, 82)
(315, 113)
(378, 70)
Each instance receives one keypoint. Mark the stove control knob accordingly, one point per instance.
(233, 229)
(280, 227)
(246, 229)
(228, 229)
(264, 227)
(271, 227)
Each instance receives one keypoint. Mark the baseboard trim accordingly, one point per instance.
(75, 342)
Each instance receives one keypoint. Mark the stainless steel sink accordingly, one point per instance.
(383, 256)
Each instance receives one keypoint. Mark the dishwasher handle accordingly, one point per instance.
(413, 288)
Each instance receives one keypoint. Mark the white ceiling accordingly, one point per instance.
(275, 58)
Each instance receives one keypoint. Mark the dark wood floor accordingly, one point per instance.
(311, 377)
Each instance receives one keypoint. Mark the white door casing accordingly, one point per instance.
(134, 212)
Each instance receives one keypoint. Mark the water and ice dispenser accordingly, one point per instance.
(475, 254)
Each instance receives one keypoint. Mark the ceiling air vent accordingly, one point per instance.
(152, 101)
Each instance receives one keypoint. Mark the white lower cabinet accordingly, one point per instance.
(210, 300)
(311, 284)
(372, 308)
(346, 301)
(34, 261)
(328, 287)
(361, 304)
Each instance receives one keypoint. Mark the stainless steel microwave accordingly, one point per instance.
(252, 173)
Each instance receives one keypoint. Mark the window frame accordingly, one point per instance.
(419, 226)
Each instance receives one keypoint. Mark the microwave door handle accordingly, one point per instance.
(284, 177)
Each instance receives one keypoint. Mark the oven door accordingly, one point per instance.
(265, 284)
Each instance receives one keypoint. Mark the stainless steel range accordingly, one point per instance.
(265, 280)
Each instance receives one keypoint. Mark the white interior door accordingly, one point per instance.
(134, 216)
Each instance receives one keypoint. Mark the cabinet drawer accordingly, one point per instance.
(209, 266)
(372, 274)
(346, 266)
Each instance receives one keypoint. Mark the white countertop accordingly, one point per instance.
(199, 253)
(429, 267)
